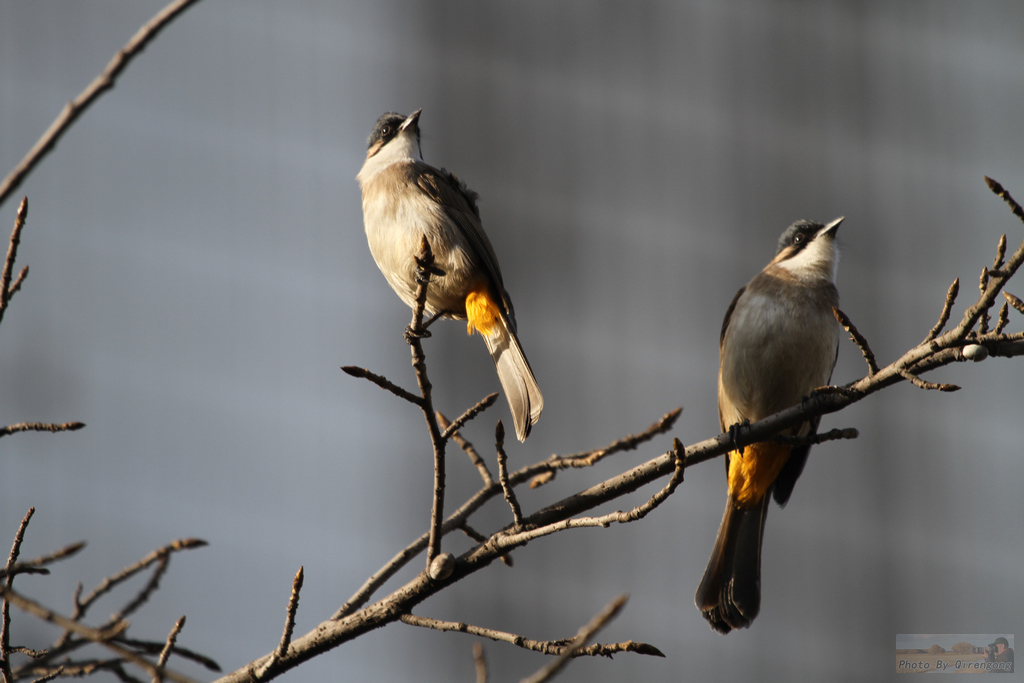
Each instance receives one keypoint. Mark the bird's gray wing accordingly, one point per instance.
(459, 203)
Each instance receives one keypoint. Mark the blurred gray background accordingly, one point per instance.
(199, 273)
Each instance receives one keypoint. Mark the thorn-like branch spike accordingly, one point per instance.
(858, 339)
(947, 306)
(1001, 192)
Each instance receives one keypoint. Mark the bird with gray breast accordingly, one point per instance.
(405, 200)
(779, 342)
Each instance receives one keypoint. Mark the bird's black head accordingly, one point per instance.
(798, 236)
(385, 129)
(808, 249)
(389, 126)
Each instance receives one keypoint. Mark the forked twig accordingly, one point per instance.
(6, 290)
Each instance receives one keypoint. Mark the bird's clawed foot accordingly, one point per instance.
(736, 429)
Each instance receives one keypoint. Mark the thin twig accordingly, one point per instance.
(821, 437)
(165, 654)
(383, 383)
(37, 565)
(922, 384)
(947, 306)
(585, 633)
(154, 648)
(482, 405)
(479, 663)
(12, 255)
(40, 427)
(289, 628)
(982, 286)
(293, 608)
(548, 647)
(480, 538)
(17, 283)
(592, 457)
(1005, 196)
(111, 582)
(997, 263)
(414, 334)
(858, 339)
(510, 496)
(679, 463)
(56, 673)
(1004, 318)
(103, 637)
(105, 81)
(5, 610)
(467, 447)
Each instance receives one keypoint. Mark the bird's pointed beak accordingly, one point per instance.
(411, 121)
(831, 228)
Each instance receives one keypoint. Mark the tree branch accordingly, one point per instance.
(105, 81)
(956, 345)
(510, 496)
(40, 427)
(548, 647)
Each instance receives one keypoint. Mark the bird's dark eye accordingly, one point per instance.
(798, 239)
(385, 131)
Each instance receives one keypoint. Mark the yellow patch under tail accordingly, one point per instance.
(754, 469)
(482, 313)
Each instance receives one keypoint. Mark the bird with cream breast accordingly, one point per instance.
(404, 200)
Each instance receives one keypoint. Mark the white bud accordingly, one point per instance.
(975, 352)
(442, 566)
